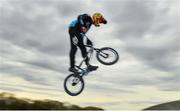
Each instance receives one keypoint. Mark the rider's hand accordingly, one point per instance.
(89, 42)
(84, 29)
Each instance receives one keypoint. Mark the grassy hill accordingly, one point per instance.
(175, 105)
(10, 102)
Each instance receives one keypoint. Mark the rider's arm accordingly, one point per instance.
(81, 19)
(81, 23)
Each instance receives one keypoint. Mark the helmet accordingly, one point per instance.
(97, 19)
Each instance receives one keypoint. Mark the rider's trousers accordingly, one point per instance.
(76, 40)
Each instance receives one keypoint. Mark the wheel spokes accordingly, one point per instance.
(74, 85)
(107, 55)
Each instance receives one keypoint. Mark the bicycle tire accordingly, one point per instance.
(68, 91)
(98, 55)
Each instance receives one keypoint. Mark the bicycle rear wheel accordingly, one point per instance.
(107, 56)
(73, 84)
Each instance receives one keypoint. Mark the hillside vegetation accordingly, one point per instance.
(8, 101)
(175, 105)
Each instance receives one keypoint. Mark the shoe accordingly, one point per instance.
(92, 68)
(72, 69)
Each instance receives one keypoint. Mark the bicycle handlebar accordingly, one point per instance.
(88, 46)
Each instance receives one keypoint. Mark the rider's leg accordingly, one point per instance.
(72, 51)
(82, 48)
(72, 55)
(84, 53)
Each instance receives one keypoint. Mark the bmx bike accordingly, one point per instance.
(74, 83)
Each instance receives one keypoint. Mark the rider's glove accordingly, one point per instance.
(84, 29)
(89, 42)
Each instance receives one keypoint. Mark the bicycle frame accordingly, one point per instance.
(89, 55)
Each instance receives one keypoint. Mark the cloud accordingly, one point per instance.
(30, 36)
(31, 66)
(133, 18)
(35, 45)
(32, 22)
(149, 31)
(34, 36)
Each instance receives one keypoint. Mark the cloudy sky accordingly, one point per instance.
(34, 51)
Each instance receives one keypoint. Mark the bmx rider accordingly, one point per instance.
(77, 29)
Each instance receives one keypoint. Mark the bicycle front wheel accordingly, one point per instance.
(73, 84)
(107, 56)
